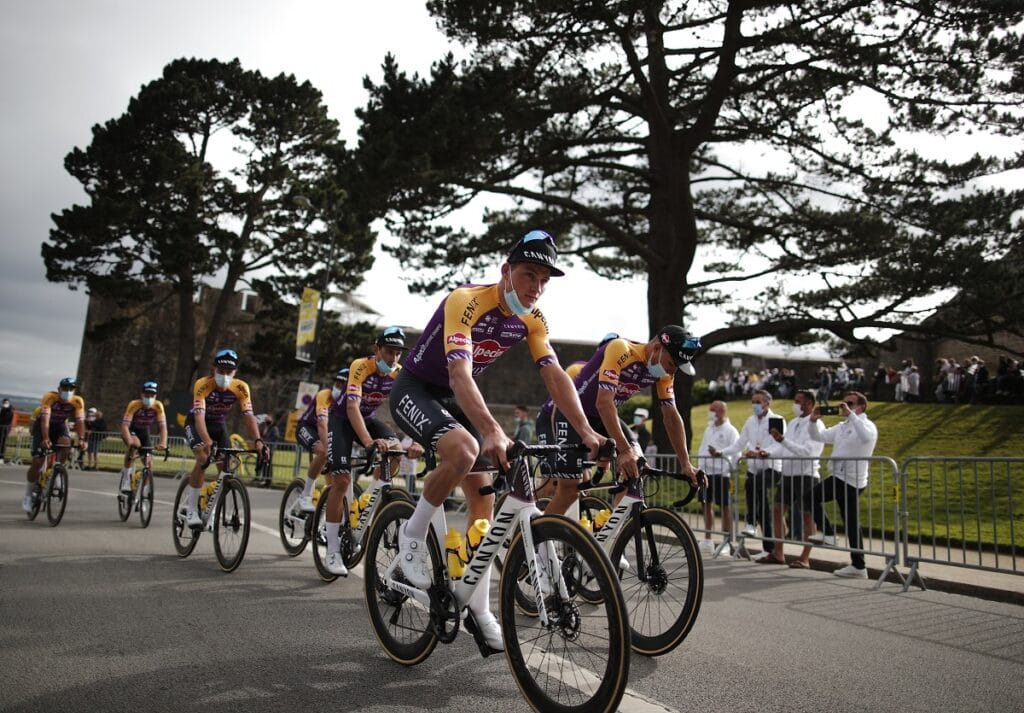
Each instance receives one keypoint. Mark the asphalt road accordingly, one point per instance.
(102, 615)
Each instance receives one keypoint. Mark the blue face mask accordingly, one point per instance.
(385, 367)
(655, 369)
(512, 299)
(758, 409)
(336, 393)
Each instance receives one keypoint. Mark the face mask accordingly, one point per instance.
(712, 417)
(758, 409)
(223, 380)
(655, 369)
(147, 401)
(385, 367)
(797, 410)
(336, 393)
(512, 299)
(66, 395)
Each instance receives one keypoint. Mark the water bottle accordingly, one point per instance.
(316, 496)
(475, 535)
(601, 518)
(136, 476)
(453, 546)
(585, 522)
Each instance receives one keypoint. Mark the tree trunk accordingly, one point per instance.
(216, 320)
(184, 365)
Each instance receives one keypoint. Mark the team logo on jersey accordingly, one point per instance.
(374, 398)
(610, 374)
(458, 339)
(626, 390)
(487, 351)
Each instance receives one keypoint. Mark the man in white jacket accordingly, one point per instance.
(853, 440)
(719, 435)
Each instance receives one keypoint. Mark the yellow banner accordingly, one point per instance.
(306, 335)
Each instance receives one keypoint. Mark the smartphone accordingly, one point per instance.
(778, 423)
(829, 410)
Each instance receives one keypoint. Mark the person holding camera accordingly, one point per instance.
(853, 439)
(759, 449)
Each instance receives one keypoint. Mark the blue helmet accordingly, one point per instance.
(69, 382)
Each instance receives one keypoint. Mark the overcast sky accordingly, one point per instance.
(68, 65)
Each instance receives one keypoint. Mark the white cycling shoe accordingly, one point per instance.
(413, 560)
(306, 504)
(489, 627)
(191, 518)
(336, 565)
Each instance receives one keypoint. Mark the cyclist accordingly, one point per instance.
(615, 372)
(51, 427)
(311, 432)
(370, 380)
(213, 396)
(437, 402)
(138, 417)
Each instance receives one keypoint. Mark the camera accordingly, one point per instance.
(829, 410)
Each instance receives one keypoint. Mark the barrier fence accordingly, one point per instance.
(961, 512)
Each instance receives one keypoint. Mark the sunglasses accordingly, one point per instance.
(537, 235)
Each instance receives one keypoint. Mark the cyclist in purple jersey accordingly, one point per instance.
(437, 402)
(311, 432)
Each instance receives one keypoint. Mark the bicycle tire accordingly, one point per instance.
(592, 640)
(124, 503)
(57, 494)
(185, 538)
(391, 614)
(319, 537)
(146, 497)
(676, 581)
(293, 540)
(232, 518)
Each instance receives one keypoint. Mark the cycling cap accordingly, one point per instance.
(680, 344)
(149, 386)
(227, 358)
(607, 338)
(342, 375)
(69, 382)
(537, 247)
(391, 337)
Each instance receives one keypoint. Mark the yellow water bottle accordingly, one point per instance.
(316, 496)
(453, 546)
(585, 522)
(136, 475)
(601, 518)
(475, 535)
(353, 514)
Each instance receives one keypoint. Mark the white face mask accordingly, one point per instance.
(336, 393)
(223, 380)
(654, 368)
(797, 410)
(712, 417)
(66, 395)
(147, 401)
(386, 368)
(512, 300)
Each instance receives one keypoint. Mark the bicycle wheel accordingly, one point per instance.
(185, 538)
(579, 661)
(291, 522)
(57, 495)
(664, 584)
(403, 626)
(124, 503)
(146, 496)
(351, 551)
(320, 535)
(231, 525)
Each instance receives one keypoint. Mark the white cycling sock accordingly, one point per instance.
(333, 537)
(307, 490)
(191, 497)
(30, 488)
(480, 600)
(419, 523)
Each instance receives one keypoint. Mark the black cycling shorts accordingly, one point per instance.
(217, 430)
(142, 434)
(340, 437)
(57, 431)
(426, 412)
(307, 436)
(556, 430)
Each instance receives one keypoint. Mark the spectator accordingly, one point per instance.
(95, 427)
(824, 385)
(524, 428)
(269, 430)
(719, 435)
(762, 470)
(879, 382)
(799, 475)
(912, 386)
(643, 436)
(6, 420)
(941, 369)
(853, 439)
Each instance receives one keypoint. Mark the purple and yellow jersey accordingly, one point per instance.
(321, 408)
(216, 403)
(368, 386)
(470, 324)
(59, 410)
(574, 369)
(140, 417)
(620, 366)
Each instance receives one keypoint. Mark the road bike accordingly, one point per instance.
(140, 497)
(570, 656)
(51, 491)
(656, 555)
(353, 538)
(224, 510)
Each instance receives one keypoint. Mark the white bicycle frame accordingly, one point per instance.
(515, 514)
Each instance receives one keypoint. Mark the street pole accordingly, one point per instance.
(320, 308)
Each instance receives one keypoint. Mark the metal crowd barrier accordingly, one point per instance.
(962, 512)
(669, 491)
